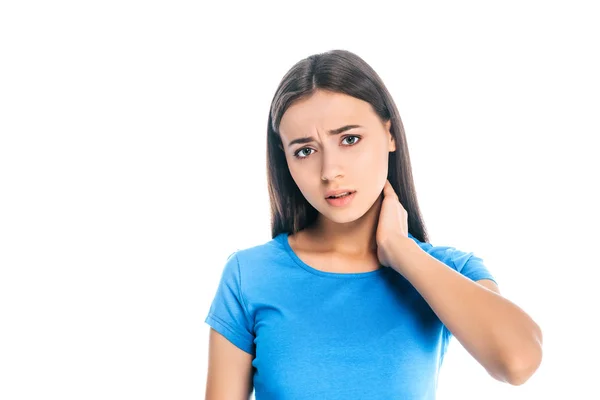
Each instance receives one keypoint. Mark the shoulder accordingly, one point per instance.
(263, 251)
(256, 260)
(256, 271)
(466, 263)
(443, 253)
(449, 255)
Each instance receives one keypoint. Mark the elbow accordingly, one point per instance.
(518, 376)
(517, 372)
(524, 365)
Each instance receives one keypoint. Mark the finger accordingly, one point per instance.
(388, 190)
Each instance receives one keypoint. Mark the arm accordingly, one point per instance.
(495, 331)
(229, 370)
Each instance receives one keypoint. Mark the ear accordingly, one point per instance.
(392, 142)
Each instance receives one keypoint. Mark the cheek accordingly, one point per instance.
(302, 178)
(370, 163)
(294, 172)
(371, 170)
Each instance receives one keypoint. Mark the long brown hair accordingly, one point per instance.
(344, 72)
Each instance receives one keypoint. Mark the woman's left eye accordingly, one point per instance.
(357, 137)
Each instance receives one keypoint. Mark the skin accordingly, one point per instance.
(373, 230)
(501, 336)
(344, 237)
(332, 162)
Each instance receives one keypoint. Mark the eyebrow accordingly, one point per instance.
(331, 132)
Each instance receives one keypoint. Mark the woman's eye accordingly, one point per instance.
(300, 156)
(352, 137)
(301, 151)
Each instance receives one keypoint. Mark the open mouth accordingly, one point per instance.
(341, 199)
(340, 195)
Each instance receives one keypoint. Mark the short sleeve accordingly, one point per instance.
(468, 264)
(471, 266)
(228, 314)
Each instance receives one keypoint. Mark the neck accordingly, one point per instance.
(356, 238)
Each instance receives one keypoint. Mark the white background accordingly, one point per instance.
(132, 163)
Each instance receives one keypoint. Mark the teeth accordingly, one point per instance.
(340, 195)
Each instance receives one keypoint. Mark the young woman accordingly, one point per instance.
(349, 300)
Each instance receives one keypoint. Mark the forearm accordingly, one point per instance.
(495, 331)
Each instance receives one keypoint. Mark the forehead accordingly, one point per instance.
(325, 110)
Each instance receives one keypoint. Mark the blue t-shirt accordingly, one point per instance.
(326, 335)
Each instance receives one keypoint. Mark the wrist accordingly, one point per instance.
(401, 250)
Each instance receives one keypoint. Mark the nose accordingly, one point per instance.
(331, 168)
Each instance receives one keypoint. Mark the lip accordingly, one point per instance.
(338, 191)
(342, 201)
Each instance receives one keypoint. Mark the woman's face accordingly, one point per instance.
(355, 159)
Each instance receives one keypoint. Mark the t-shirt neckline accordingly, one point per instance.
(283, 238)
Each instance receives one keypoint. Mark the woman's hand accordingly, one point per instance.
(392, 226)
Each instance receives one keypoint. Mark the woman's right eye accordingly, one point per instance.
(296, 154)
